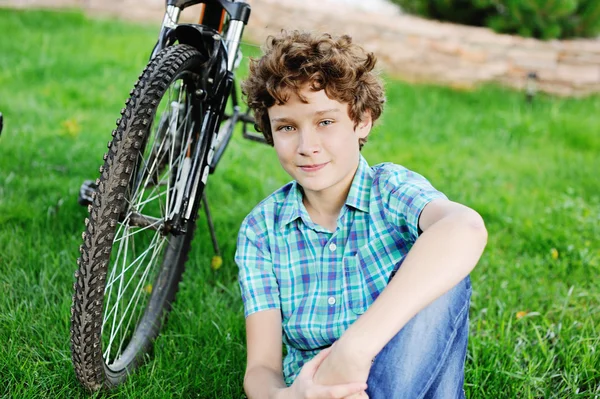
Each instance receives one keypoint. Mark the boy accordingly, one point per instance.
(317, 257)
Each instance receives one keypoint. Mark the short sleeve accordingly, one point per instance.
(258, 284)
(409, 192)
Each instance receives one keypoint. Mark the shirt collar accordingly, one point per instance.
(358, 196)
(360, 190)
(290, 210)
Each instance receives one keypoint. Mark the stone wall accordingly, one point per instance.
(407, 47)
(41, 3)
(421, 50)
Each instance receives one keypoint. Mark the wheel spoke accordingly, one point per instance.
(140, 287)
(151, 197)
(148, 172)
(137, 194)
(119, 294)
(174, 163)
(140, 205)
(137, 260)
(115, 310)
(111, 277)
(135, 293)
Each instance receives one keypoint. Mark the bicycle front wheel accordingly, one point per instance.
(131, 262)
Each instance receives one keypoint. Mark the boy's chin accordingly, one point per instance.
(313, 185)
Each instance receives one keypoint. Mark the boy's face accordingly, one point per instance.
(316, 142)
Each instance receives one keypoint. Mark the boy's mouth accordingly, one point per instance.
(313, 168)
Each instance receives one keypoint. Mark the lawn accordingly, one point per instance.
(531, 170)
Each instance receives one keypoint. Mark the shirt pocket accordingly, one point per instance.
(367, 273)
(354, 287)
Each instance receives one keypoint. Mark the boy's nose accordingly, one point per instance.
(309, 142)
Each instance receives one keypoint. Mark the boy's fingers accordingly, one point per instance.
(359, 395)
(340, 391)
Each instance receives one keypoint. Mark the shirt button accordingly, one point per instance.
(332, 247)
(331, 300)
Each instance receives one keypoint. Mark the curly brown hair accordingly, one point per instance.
(334, 64)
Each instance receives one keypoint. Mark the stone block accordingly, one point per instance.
(533, 59)
(583, 45)
(492, 70)
(473, 55)
(42, 3)
(486, 37)
(561, 89)
(581, 58)
(399, 53)
(445, 46)
(459, 75)
(578, 74)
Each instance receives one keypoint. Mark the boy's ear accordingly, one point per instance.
(364, 125)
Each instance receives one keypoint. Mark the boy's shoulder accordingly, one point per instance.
(400, 191)
(388, 176)
(390, 170)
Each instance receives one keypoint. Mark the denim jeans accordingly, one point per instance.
(426, 359)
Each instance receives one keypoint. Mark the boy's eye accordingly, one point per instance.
(285, 128)
(326, 122)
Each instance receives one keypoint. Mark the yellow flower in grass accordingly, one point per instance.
(521, 314)
(216, 262)
(71, 127)
(554, 253)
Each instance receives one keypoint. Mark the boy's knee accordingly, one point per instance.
(414, 357)
(435, 326)
(450, 307)
(445, 313)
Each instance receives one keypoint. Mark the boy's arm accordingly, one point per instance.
(450, 246)
(264, 376)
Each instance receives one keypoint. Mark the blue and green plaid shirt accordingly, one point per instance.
(323, 281)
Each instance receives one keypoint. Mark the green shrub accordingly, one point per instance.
(544, 19)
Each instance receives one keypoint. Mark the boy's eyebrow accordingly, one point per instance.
(325, 111)
(280, 120)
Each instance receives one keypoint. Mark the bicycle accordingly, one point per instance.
(170, 137)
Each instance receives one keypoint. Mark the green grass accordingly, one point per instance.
(531, 171)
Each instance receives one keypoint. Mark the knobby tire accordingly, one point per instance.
(122, 162)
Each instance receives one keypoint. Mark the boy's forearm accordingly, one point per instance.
(440, 258)
(263, 382)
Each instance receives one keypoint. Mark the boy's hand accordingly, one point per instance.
(305, 387)
(342, 366)
(360, 395)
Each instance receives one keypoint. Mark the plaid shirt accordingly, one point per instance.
(323, 281)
